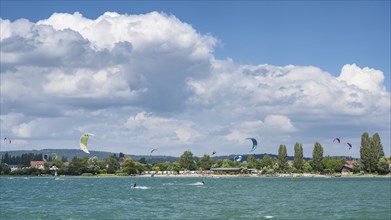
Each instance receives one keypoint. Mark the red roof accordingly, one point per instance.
(37, 163)
(351, 162)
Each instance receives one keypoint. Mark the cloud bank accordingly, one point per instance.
(151, 80)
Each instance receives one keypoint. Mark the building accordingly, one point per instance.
(253, 171)
(227, 170)
(12, 167)
(349, 166)
(38, 164)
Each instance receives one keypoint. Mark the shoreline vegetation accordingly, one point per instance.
(372, 163)
(210, 175)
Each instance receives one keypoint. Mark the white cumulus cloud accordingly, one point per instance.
(364, 78)
(152, 79)
(160, 129)
(279, 122)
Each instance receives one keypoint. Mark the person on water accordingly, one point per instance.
(203, 182)
(134, 185)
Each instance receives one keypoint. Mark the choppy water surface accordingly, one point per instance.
(187, 198)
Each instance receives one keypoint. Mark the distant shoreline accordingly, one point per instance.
(271, 176)
(294, 176)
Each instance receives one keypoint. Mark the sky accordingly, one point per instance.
(195, 75)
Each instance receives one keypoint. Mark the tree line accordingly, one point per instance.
(25, 159)
(371, 157)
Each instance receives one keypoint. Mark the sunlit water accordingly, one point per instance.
(188, 198)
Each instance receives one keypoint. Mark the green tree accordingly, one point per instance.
(371, 150)
(307, 168)
(282, 158)
(205, 162)
(365, 151)
(139, 167)
(161, 166)
(129, 166)
(176, 167)
(6, 158)
(93, 165)
(251, 162)
(78, 165)
(102, 167)
(266, 161)
(228, 164)
(383, 166)
(377, 149)
(333, 165)
(298, 159)
(59, 164)
(186, 161)
(142, 160)
(196, 161)
(111, 164)
(218, 163)
(317, 158)
(358, 169)
(4, 169)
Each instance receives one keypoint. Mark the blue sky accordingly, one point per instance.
(327, 34)
(195, 75)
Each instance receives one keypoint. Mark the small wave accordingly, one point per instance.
(168, 184)
(140, 187)
(61, 179)
(197, 184)
(268, 216)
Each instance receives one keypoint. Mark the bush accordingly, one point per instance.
(104, 171)
(383, 166)
(26, 171)
(4, 169)
(358, 169)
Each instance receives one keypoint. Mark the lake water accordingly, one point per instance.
(186, 198)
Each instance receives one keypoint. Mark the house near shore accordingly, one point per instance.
(38, 164)
(12, 167)
(349, 166)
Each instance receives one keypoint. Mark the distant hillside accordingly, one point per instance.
(70, 153)
(101, 155)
